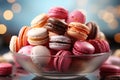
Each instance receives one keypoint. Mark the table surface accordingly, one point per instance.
(20, 74)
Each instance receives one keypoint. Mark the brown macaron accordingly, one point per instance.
(56, 26)
(94, 28)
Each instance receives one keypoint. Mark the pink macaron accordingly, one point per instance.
(109, 69)
(5, 69)
(113, 60)
(60, 42)
(62, 61)
(58, 12)
(76, 16)
(83, 47)
(100, 45)
(26, 50)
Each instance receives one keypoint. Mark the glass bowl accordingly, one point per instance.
(80, 65)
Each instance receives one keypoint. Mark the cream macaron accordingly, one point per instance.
(37, 36)
(40, 55)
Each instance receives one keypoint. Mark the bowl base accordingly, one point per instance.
(63, 77)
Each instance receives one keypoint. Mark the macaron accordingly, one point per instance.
(114, 60)
(56, 26)
(5, 69)
(101, 35)
(83, 47)
(100, 45)
(76, 16)
(117, 53)
(94, 29)
(14, 44)
(59, 42)
(26, 50)
(37, 36)
(109, 69)
(58, 12)
(78, 31)
(22, 36)
(113, 77)
(62, 61)
(40, 55)
(39, 21)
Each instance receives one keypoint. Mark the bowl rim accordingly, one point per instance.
(82, 55)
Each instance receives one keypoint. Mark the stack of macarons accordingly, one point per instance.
(60, 33)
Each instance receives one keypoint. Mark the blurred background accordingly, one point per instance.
(17, 13)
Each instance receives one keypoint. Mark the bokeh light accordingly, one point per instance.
(109, 18)
(11, 1)
(3, 29)
(16, 7)
(8, 15)
(113, 24)
(117, 37)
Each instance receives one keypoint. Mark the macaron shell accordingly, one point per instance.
(62, 61)
(78, 31)
(40, 55)
(103, 46)
(75, 52)
(106, 44)
(60, 42)
(5, 69)
(101, 35)
(93, 30)
(56, 62)
(58, 12)
(60, 38)
(38, 42)
(110, 68)
(113, 77)
(12, 45)
(25, 42)
(56, 26)
(59, 46)
(17, 44)
(113, 60)
(83, 47)
(37, 33)
(37, 36)
(39, 21)
(20, 35)
(102, 74)
(100, 45)
(74, 34)
(79, 27)
(26, 50)
(97, 45)
(76, 16)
